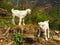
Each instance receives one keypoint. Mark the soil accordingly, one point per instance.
(28, 31)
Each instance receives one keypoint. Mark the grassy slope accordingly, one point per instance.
(6, 21)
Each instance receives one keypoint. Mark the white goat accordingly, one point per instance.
(45, 27)
(20, 14)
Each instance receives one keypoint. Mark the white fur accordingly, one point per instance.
(45, 27)
(20, 14)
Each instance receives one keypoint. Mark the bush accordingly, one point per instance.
(55, 17)
(41, 17)
(17, 37)
(35, 18)
(5, 5)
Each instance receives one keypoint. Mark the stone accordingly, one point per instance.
(57, 32)
(56, 38)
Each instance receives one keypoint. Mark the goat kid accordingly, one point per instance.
(45, 27)
(20, 14)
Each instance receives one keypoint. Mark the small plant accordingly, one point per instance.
(35, 18)
(17, 37)
(42, 17)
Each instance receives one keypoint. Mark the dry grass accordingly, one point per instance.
(30, 30)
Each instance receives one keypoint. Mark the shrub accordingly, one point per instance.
(55, 17)
(35, 18)
(41, 17)
(17, 37)
(27, 19)
(5, 5)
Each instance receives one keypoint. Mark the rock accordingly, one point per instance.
(28, 36)
(57, 32)
(1, 40)
(56, 38)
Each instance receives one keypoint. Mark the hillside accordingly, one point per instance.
(6, 36)
(41, 10)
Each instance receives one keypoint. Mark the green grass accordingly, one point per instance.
(17, 37)
(6, 21)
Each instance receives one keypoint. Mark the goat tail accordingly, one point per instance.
(12, 9)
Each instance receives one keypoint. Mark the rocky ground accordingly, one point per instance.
(28, 31)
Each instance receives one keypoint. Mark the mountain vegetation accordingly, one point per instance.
(42, 10)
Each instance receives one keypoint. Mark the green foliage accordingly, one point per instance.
(6, 21)
(35, 18)
(54, 14)
(55, 17)
(42, 17)
(27, 19)
(6, 5)
(17, 37)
